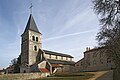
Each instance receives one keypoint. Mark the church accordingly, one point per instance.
(35, 59)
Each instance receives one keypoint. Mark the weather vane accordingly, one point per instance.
(31, 8)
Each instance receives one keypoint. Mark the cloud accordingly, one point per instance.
(73, 49)
(75, 19)
(67, 35)
(40, 1)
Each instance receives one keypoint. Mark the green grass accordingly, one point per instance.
(58, 76)
(68, 76)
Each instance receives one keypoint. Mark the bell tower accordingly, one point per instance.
(31, 43)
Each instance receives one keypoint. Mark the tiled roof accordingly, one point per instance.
(56, 53)
(52, 61)
(31, 25)
(44, 70)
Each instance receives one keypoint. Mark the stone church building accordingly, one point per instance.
(35, 59)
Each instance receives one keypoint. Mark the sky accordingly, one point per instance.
(67, 26)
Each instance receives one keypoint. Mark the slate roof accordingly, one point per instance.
(31, 25)
(57, 54)
(52, 61)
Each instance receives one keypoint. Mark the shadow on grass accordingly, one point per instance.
(69, 75)
(106, 76)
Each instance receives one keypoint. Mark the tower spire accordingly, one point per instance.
(31, 25)
(31, 6)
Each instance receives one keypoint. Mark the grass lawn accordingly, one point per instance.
(68, 76)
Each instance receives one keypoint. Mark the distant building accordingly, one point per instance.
(79, 66)
(35, 59)
(95, 59)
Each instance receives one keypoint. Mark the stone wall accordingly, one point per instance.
(95, 59)
(79, 66)
(116, 74)
(66, 68)
(32, 43)
(23, 76)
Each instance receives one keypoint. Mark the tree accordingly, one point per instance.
(16, 62)
(108, 12)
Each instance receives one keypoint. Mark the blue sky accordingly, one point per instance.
(67, 26)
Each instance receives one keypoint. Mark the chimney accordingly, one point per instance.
(87, 49)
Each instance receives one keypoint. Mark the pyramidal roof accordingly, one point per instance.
(31, 25)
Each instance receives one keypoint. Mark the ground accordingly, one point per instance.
(102, 75)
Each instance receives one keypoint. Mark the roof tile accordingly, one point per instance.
(44, 70)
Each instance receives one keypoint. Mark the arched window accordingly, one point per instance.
(35, 48)
(37, 39)
(108, 60)
(33, 38)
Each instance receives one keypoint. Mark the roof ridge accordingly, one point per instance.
(58, 53)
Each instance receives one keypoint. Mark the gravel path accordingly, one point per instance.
(102, 75)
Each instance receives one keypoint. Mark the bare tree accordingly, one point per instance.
(108, 12)
(14, 61)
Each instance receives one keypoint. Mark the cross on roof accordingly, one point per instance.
(31, 8)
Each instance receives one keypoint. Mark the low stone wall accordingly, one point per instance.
(23, 76)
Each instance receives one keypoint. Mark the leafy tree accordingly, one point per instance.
(108, 12)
